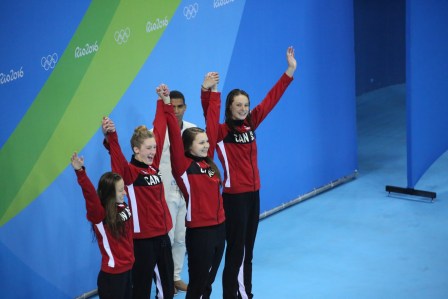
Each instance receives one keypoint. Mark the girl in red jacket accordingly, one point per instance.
(110, 218)
(151, 217)
(237, 151)
(199, 180)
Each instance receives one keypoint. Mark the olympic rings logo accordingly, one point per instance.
(122, 36)
(49, 62)
(191, 10)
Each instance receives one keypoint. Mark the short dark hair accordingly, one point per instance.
(175, 94)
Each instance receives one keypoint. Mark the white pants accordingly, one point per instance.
(177, 206)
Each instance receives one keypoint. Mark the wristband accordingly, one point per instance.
(125, 213)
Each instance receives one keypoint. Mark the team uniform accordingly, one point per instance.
(205, 237)
(117, 254)
(151, 217)
(176, 205)
(237, 151)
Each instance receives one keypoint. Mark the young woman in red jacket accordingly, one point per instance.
(237, 151)
(151, 217)
(110, 217)
(199, 180)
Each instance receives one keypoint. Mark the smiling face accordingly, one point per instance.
(239, 108)
(200, 145)
(120, 192)
(146, 151)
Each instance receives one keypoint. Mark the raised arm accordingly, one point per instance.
(95, 211)
(118, 162)
(210, 84)
(259, 113)
(211, 107)
(159, 132)
(177, 155)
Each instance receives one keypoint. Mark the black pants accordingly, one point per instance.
(114, 286)
(205, 247)
(153, 258)
(242, 217)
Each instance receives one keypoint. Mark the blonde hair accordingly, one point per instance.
(141, 133)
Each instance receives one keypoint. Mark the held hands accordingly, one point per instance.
(292, 63)
(211, 81)
(77, 162)
(107, 125)
(164, 93)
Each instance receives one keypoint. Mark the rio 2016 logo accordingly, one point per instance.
(218, 3)
(86, 50)
(11, 76)
(156, 25)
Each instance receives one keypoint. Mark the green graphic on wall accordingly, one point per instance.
(88, 81)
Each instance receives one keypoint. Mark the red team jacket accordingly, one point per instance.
(237, 151)
(197, 181)
(117, 255)
(145, 191)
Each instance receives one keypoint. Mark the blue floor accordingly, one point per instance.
(355, 241)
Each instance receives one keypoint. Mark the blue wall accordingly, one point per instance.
(309, 140)
(427, 72)
(379, 44)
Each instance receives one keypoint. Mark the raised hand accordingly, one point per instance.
(77, 161)
(211, 81)
(163, 92)
(107, 125)
(292, 63)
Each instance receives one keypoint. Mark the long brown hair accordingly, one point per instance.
(107, 193)
(228, 113)
(188, 137)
